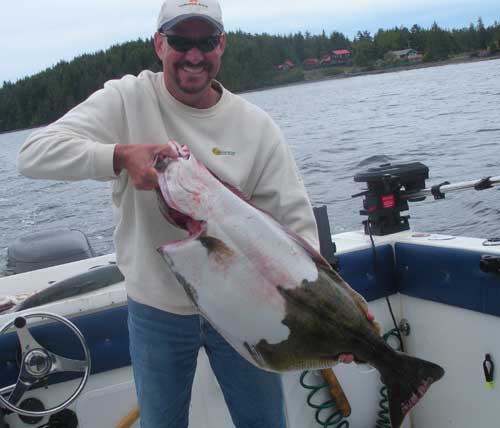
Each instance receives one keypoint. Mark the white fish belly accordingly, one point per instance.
(237, 289)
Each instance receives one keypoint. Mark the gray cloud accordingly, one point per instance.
(36, 35)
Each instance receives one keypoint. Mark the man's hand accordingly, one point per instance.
(349, 358)
(138, 159)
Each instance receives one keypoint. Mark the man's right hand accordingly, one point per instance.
(138, 160)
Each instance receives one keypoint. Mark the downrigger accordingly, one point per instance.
(392, 186)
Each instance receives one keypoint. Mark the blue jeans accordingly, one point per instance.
(164, 349)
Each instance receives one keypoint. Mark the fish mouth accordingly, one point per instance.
(179, 219)
(183, 221)
(194, 228)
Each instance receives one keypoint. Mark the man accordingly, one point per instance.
(115, 135)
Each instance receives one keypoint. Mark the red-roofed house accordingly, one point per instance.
(341, 52)
(310, 62)
(287, 65)
(326, 60)
(341, 56)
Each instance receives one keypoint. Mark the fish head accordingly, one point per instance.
(187, 192)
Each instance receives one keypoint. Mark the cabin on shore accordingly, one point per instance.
(325, 60)
(340, 56)
(287, 65)
(405, 54)
(310, 63)
(335, 57)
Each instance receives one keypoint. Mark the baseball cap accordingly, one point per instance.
(174, 11)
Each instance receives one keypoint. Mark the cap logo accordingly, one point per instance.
(193, 3)
(174, 12)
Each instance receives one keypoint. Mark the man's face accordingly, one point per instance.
(188, 74)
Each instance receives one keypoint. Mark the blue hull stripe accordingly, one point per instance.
(449, 276)
(438, 274)
(106, 334)
(358, 269)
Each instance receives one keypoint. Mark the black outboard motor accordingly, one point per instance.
(47, 248)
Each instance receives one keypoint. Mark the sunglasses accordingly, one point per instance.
(184, 44)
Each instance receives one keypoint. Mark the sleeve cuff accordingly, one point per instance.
(103, 161)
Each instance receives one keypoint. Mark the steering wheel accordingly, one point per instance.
(38, 362)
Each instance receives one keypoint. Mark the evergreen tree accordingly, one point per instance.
(482, 35)
(339, 41)
(417, 38)
(438, 44)
(365, 50)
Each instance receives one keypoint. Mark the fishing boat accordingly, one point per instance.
(64, 359)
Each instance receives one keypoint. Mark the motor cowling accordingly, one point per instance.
(47, 248)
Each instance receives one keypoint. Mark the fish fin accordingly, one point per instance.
(236, 191)
(358, 299)
(407, 382)
(308, 248)
(280, 359)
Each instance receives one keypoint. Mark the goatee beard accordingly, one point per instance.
(196, 89)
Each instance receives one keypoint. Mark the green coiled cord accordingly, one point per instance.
(384, 420)
(335, 418)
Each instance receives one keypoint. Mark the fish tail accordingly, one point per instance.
(407, 381)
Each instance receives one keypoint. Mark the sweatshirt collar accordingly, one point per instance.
(197, 112)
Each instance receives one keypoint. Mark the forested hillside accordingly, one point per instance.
(250, 62)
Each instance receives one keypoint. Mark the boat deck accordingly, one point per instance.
(433, 281)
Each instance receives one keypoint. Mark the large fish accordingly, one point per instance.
(270, 294)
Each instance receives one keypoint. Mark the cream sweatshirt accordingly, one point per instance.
(235, 139)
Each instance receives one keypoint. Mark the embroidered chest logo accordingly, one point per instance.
(218, 152)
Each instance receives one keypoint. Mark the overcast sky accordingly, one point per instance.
(36, 34)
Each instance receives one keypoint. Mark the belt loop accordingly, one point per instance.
(203, 326)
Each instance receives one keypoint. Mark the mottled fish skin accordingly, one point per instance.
(272, 296)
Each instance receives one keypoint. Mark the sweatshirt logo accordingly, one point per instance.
(218, 152)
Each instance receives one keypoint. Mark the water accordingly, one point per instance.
(445, 117)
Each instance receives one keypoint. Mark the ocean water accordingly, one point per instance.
(445, 117)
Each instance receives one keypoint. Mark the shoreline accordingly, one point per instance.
(451, 61)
